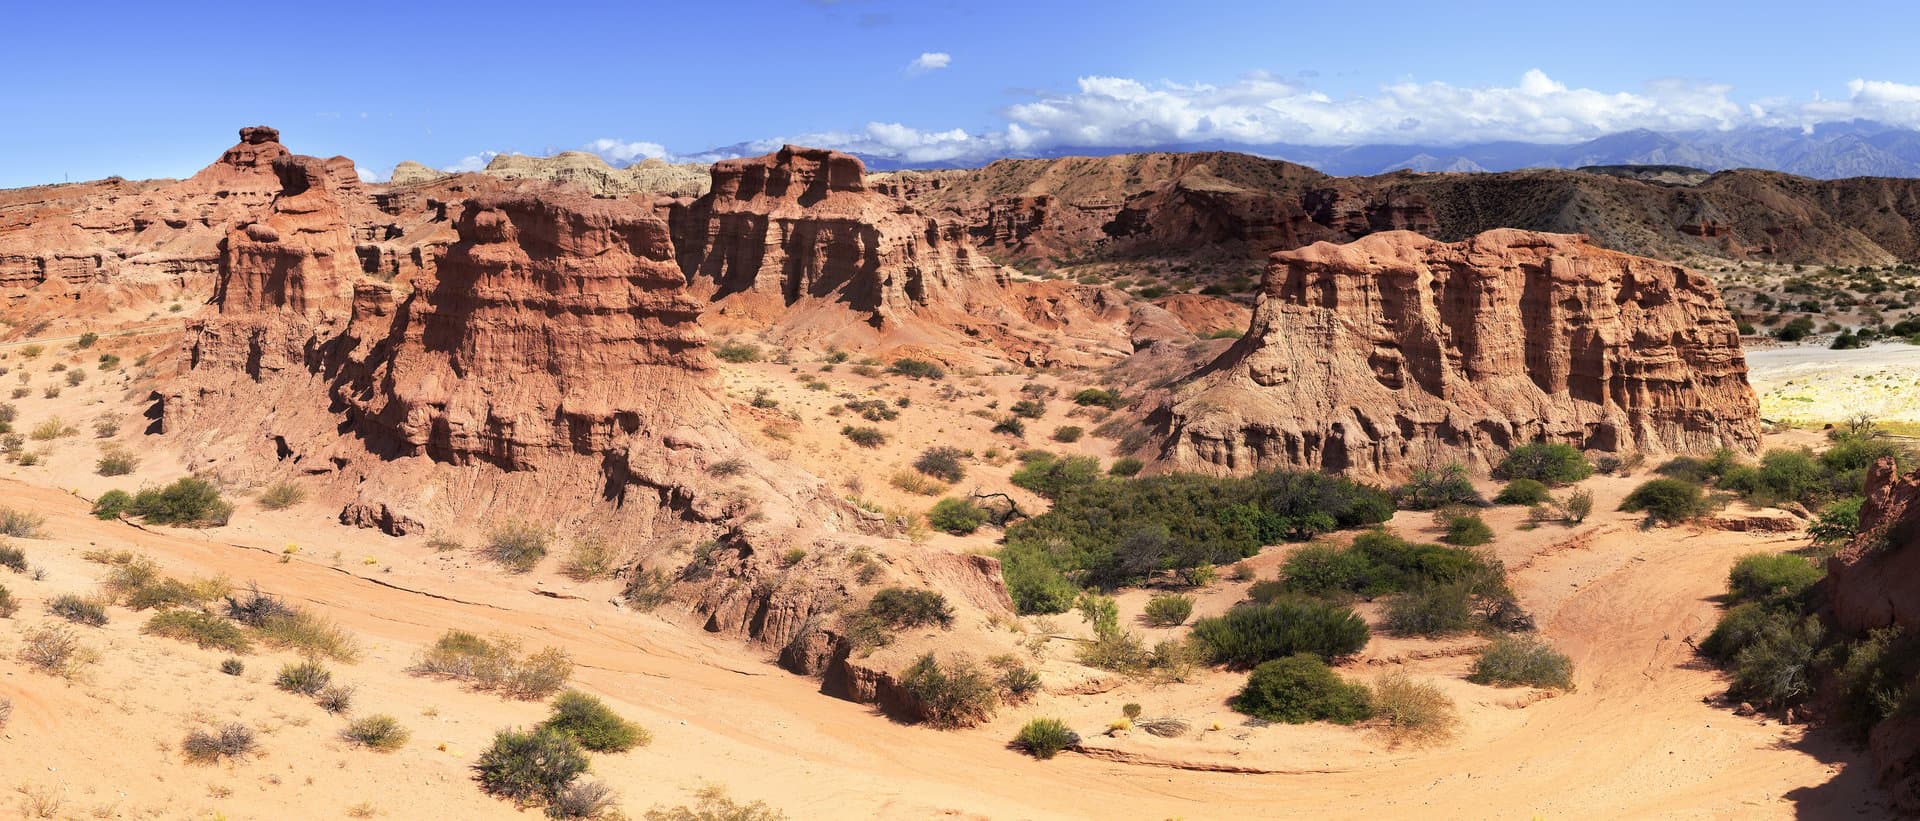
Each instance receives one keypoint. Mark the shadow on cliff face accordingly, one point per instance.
(1851, 792)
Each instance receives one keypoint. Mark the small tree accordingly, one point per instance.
(1553, 463)
(957, 516)
(1668, 501)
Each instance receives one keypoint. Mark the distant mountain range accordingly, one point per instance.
(1828, 151)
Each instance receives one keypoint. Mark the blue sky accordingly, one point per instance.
(150, 89)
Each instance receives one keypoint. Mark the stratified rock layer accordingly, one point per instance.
(1398, 351)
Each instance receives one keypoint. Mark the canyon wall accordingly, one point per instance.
(1397, 352)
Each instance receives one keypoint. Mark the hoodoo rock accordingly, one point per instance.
(1398, 351)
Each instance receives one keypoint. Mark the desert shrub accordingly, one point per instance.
(495, 665)
(1577, 506)
(21, 524)
(530, 767)
(1740, 626)
(1301, 688)
(116, 461)
(75, 377)
(336, 698)
(916, 484)
(254, 608)
(1413, 711)
(1113, 649)
(956, 694)
(714, 805)
(593, 724)
(87, 339)
(1045, 737)
(281, 495)
(1053, 477)
(1169, 609)
(1034, 583)
(589, 558)
(1430, 489)
(187, 501)
(305, 678)
(107, 426)
(1760, 576)
(1513, 661)
(903, 608)
(1028, 408)
(1250, 634)
(377, 732)
(1379, 562)
(585, 800)
(230, 741)
(1097, 397)
(519, 546)
(1067, 433)
(1468, 531)
(866, 437)
(13, 558)
(1523, 492)
(1838, 522)
(308, 634)
(942, 463)
(873, 410)
(51, 427)
(1669, 501)
(737, 352)
(232, 666)
(206, 630)
(1017, 682)
(1125, 467)
(1110, 531)
(111, 504)
(78, 609)
(957, 516)
(1776, 667)
(1875, 678)
(1011, 426)
(55, 650)
(916, 369)
(1436, 610)
(8, 605)
(1552, 463)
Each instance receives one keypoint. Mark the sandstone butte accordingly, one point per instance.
(1399, 351)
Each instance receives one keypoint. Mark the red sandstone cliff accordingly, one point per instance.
(1398, 351)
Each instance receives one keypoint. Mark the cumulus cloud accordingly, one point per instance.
(368, 175)
(625, 151)
(930, 61)
(471, 162)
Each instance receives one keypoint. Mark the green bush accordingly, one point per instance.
(1439, 610)
(916, 369)
(956, 694)
(1054, 477)
(1740, 626)
(1067, 433)
(737, 352)
(1430, 489)
(1838, 522)
(1169, 610)
(1029, 408)
(903, 608)
(1669, 501)
(1045, 737)
(78, 609)
(1011, 426)
(1553, 463)
(1776, 667)
(1034, 582)
(1110, 531)
(942, 463)
(1380, 562)
(1301, 688)
(1125, 466)
(1759, 576)
(111, 504)
(1523, 492)
(1876, 678)
(206, 630)
(519, 546)
(1468, 531)
(530, 767)
(377, 732)
(1097, 397)
(188, 502)
(1513, 661)
(305, 678)
(1250, 634)
(864, 436)
(591, 722)
(957, 516)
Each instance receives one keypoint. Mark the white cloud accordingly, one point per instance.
(471, 162)
(368, 175)
(930, 61)
(623, 151)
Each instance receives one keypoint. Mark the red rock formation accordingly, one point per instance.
(1397, 351)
